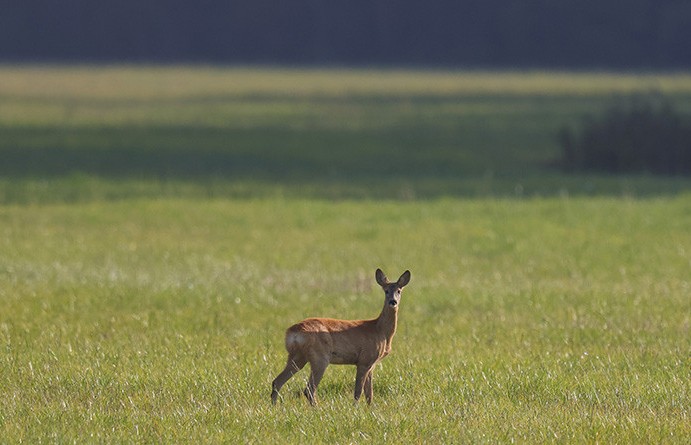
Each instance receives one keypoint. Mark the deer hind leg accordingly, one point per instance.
(363, 379)
(295, 363)
(318, 367)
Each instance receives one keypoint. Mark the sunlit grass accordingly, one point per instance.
(144, 300)
(236, 96)
(148, 83)
(534, 321)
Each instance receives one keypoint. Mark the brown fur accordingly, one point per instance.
(324, 341)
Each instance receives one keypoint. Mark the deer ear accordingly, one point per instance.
(404, 279)
(381, 278)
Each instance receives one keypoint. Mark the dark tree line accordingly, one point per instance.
(483, 33)
(637, 135)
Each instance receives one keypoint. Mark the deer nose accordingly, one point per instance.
(393, 302)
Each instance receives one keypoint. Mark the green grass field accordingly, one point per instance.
(75, 134)
(142, 300)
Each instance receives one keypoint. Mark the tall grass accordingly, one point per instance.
(162, 320)
(144, 300)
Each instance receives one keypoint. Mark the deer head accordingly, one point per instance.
(392, 291)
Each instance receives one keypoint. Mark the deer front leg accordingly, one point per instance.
(368, 386)
(360, 380)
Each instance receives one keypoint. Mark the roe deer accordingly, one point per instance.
(321, 341)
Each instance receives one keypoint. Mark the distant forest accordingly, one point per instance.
(600, 34)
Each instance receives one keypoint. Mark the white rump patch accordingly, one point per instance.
(294, 339)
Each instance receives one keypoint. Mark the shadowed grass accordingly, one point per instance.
(314, 133)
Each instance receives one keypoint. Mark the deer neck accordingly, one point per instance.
(386, 323)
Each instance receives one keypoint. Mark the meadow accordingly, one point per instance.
(85, 133)
(161, 227)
